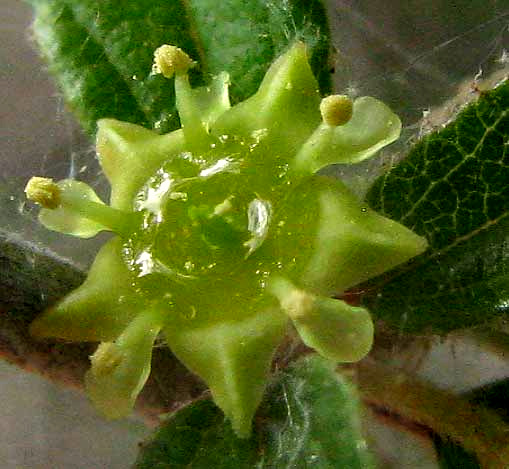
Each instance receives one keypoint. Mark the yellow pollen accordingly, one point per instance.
(44, 192)
(336, 109)
(171, 60)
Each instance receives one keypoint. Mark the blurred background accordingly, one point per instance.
(422, 57)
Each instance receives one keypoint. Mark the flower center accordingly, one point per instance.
(202, 221)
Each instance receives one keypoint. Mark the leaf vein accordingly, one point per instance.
(454, 169)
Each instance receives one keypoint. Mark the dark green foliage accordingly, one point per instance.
(198, 437)
(452, 188)
(243, 38)
(28, 290)
(313, 420)
(308, 420)
(100, 51)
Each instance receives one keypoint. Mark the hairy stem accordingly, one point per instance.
(477, 429)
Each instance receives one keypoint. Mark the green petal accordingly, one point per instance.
(372, 126)
(340, 242)
(130, 154)
(71, 222)
(287, 104)
(121, 368)
(233, 358)
(99, 309)
(354, 243)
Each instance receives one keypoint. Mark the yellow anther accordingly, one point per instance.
(336, 109)
(171, 60)
(298, 304)
(44, 192)
(106, 358)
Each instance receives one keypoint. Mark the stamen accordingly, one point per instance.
(77, 199)
(171, 60)
(296, 303)
(43, 191)
(336, 109)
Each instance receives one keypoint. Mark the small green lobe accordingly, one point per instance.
(320, 321)
(320, 330)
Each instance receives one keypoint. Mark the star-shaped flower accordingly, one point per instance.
(225, 236)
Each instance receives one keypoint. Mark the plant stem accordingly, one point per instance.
(477, 429)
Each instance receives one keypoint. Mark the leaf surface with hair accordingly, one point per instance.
(305, 411)
(101, 55)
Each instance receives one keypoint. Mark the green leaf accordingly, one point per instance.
(244, 37)
(101, 51)
(314, 420)
(27, 291)
(196, 437)
(453, 189)
(309, 419)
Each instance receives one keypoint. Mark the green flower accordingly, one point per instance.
(225, 236)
